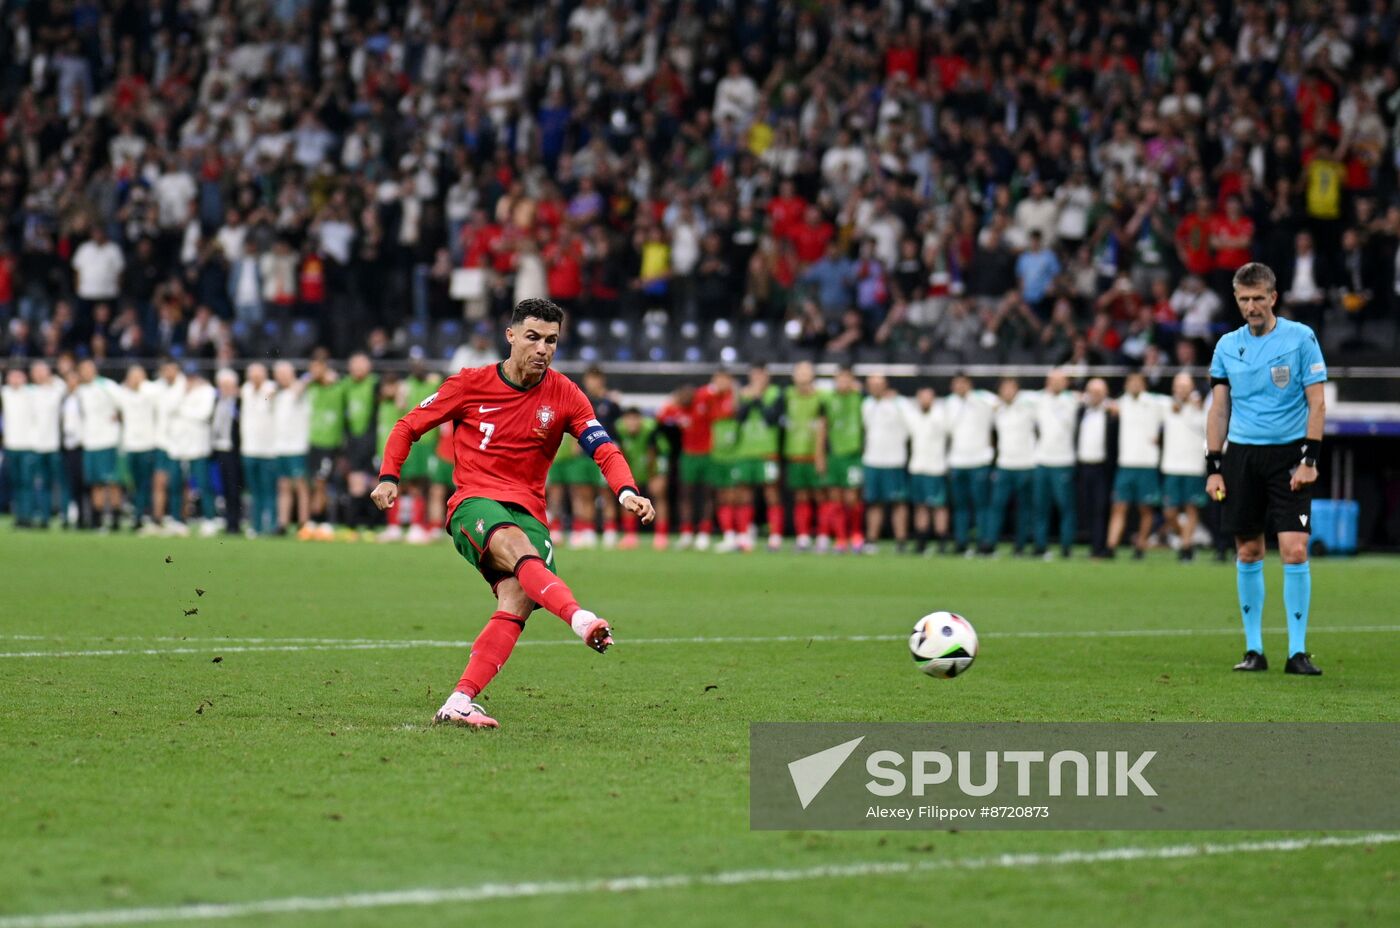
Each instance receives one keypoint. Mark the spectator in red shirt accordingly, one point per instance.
(785, 210)
(811, 235)
(563, 259)
(1231, 237)
(1193, 239)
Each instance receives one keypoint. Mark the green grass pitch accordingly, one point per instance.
(278, 744)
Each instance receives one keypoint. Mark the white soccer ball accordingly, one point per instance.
(943, 644)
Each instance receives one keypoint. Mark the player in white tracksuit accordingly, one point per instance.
(971, 418)
(884, 460)
(139, 399)
(19, 444)
(46, 477)
(1184, 463)
(257, 433)
(291, 417)
(102, 431)
(1056, 421)
(927, 419)
(1139, 454)
(191, 445)
(1014, 479)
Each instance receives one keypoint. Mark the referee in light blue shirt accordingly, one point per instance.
(1266, 381)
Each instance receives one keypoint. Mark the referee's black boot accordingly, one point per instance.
(1253, 660)
(1302, 663)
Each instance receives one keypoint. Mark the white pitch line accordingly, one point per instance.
(485, 892)
(267, 645)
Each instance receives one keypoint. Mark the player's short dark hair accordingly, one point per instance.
(1255, 274)
(593, 371)
(631, 411)
(543, 310)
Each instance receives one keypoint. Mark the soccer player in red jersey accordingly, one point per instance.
(508, 419)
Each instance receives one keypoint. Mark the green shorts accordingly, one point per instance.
(722, 474)
(578, 471)
(1183, 490)
(100, 466)
(802, 475)
(695, 468)
(844, 471)
(885, 485)
(292, 467)
(928, 490)
(476, 518)
(1140, 485)
(756, 473)
(440, 471)
(415, 466)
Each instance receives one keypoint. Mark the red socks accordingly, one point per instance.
(725, 514)
(420, 511)
(392, 513)
(776, 522)
(743, 518)
(836, 518)
(663, 527)
(490, 652)
(629, 523)
(545, 588)
(802, 518)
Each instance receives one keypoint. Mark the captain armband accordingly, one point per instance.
(594, 437)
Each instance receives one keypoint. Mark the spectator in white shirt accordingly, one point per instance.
(736, 96)
(1056, 418)
(97, 272)
(928, 467)
(1014, 479)
(98, 400)
(1137, 482)
(884, 460)
(970, 421)
(1184, 463)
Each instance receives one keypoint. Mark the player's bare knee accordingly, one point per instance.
(1249, 550)
(1293, 552)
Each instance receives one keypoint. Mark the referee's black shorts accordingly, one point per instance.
(1258, 498)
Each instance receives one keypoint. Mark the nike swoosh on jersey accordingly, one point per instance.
(488, 408)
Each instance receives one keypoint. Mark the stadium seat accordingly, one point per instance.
(300, 337)
(417, 333)
(447, 335)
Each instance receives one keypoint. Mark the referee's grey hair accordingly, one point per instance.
(1255, 274)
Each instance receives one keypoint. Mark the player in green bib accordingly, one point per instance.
(326, 395)
(389, 407)
(361, 390)
(724, 437)
(804, 448)
(760, 416)
(429, 500)
(647, 448)
(843, 510)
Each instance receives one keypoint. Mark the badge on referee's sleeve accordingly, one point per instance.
(1281, 375)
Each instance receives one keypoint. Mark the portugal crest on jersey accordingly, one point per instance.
(544, 416)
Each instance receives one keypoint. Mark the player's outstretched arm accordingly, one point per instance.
(445, 404)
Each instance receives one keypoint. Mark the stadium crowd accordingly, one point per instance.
(1048, 182)
(281, 452)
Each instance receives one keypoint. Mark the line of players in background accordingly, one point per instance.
(846, 464)
(167, 453)
(854, 463)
